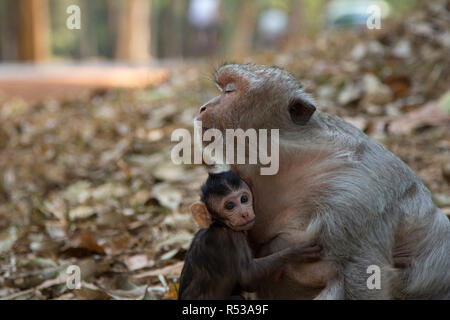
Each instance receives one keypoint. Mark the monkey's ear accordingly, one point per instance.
(201, 214)
(301, 110)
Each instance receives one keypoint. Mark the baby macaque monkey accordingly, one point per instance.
(219, 263)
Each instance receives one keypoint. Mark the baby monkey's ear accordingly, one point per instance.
(201, 214)
(301, 110)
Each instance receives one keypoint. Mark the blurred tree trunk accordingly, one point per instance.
(295, 24)
(133, 40)
(181, 26)
(169, 31)
(34, 30)
(88, 43)
(112, 21)
(9, 32)
(241, 42)
(173, 28)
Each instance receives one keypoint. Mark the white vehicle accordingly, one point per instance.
(348, 13)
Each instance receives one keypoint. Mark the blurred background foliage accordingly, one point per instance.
(181, 28)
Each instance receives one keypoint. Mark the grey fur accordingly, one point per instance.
(371, 196)
(375, 196)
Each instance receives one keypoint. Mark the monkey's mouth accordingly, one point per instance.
(247, 225)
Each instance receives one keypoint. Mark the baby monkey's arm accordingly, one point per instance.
(261, 268)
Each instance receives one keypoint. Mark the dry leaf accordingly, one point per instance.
(167, 196)
(81, 212)
(137, 262)
(174, 270)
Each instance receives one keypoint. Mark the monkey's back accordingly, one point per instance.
(375, 180)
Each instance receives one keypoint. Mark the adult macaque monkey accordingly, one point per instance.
(364, 206)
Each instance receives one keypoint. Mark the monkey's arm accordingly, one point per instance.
(260, 268)
(402, 254)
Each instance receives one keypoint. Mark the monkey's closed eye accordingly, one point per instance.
(244, 198)
(229, 205)
(230, 87)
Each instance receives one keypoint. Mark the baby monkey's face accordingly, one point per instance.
(236, 209)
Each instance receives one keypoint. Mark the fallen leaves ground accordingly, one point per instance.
(91, 182)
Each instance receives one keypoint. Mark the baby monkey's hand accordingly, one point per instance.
(308, 251)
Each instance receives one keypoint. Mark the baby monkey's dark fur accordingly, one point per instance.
(219, 263)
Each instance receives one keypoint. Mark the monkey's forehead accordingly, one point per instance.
(250, 69)
(256, 72)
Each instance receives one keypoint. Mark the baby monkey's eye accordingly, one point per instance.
(229, 205)
(244, 198)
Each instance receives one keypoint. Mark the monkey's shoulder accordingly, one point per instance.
(218, 236)
(216, 245)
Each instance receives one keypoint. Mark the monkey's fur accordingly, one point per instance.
(360, 202)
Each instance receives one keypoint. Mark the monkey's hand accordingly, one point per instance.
(304, 252)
